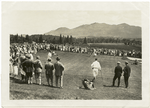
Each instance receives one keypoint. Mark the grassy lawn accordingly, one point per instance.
(77, 67)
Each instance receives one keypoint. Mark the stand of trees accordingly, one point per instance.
(42, 38)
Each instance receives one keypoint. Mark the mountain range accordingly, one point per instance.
(100, 30)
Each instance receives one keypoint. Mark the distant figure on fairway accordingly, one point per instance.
(49, 55)
(59, 72)
(49, 67)
(118, 72)
(95, 68)
(127, 71)
(38, 69)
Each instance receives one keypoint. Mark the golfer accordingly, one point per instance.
(95, 68)
(49, 56)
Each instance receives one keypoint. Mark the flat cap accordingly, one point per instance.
(38, 57)
(57, 58)
(126, 62)
(118, 62)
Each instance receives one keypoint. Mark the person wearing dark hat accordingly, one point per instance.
(127, 71)
(118, 72)
(59, 72)
(49, 67)
(38, 69)
(29, 66)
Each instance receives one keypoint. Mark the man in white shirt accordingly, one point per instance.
(49, 55)
(95, 68)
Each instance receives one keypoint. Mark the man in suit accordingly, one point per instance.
(49, 67)
(29, 66)
(127, 71)
(118, 72)
(38, 69)
(59, 72)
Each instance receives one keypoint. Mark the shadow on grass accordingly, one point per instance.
(49, 86)
(16, 80)
(109, 86)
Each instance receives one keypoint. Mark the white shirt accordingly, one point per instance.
(49, 55)
(31, 56)
(96, 65)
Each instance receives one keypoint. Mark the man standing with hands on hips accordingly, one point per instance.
(95, 68)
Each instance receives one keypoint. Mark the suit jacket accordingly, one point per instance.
(28, 65)
(59, 68)
(118, 71)
(127, 71)
(38, 66)
(49, 67)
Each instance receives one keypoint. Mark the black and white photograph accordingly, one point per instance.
(75, 51)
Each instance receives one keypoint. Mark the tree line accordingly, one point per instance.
(42, 38)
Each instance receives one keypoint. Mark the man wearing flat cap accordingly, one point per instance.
(38, 69)
(59, 72)
(49, 67)
(127, 71)
(118, 72)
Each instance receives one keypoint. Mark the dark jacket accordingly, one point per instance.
(127, 71)
(118, 71)
(59, 68)
(28, 65)
(49, 67)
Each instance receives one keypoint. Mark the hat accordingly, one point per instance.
(126, 62)
(28, 56)
(38, 57)
(57, 58)
(118, 62)
(49, 59)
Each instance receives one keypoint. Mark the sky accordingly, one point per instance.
(39, 21)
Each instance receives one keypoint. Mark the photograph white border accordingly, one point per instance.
(7, 7)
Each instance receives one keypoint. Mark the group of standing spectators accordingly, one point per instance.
(24, 64)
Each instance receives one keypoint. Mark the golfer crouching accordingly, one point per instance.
(89, 85)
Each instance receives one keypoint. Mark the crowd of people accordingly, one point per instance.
(22, 61)
(34, 48)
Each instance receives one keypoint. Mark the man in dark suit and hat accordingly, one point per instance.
(59, 72)
(127, 71)
(118, 72)
(49, 67)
